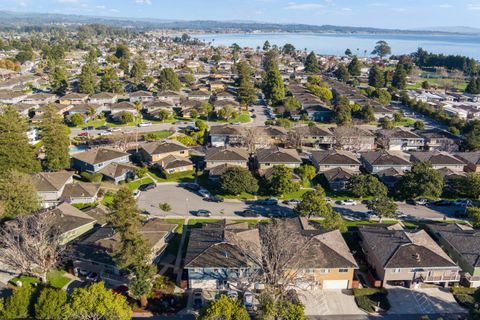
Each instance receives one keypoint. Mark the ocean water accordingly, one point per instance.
(336, 44)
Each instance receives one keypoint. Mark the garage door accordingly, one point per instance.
(335, 284)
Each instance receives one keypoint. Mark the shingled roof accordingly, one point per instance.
(164, 146)
(335, 157)
(385, 158)
(100, 155)
(226, 154)
(436, 158)
(278, 155)
(51, 181)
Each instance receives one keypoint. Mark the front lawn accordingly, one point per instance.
(187, 176)
(370, 299)
(56, 279)
(135, 184)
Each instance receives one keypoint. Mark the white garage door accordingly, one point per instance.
(335, 284)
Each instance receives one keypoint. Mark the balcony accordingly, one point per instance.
(441, 278)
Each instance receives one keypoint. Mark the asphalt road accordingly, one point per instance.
(183, 202)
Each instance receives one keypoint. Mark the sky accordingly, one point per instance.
(402, 14)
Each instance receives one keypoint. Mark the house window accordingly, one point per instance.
(396, 270)
(324, 270)
(198, 270)
(343, 270)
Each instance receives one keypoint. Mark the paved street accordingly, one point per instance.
(184, 201)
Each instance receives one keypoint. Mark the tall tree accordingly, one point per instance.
(383, 206)
(311, 63)
(399, 79)
(52, 304)
(354, 67)
(15, 151)
(168, 80)
(246, 89)
(314, 203)
(342, 73)
(122, 51)
(365, 185)
(56, 140)
(18, 305)
(343, 111)
(382, 49)
(98, 302)
(58, 80)
(273, 86)
(266, 46)
(281, 181)
(87, 79)
(421, 182)
(138, 70)
(376, 78)
(18, 195)
(226, 309)
(110, 82)
(236, 180)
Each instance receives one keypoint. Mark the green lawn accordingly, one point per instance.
(157, 135)
(133, 185)
(107, 200)
(406, 122)
(187, 176)
(56, 279)
(459, 85)
(243, 117)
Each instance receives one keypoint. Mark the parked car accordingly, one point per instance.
(92, 276)
(236, 123)
(88, 128)
(348, 202)
(197, 299)
(114, 129)
(190, 186)
(249, 213)
(254, 115)
(443, 203)
(270, 201)
(292, 202)
(103, 128)
(146, 212)
(136, 193)
(463, 202)
(248, 301)
(213, 199)
(83, 134)
(105, 133)
(204, 193)
(145, 124)
(203, 213)
(232, 294)
(148, 186)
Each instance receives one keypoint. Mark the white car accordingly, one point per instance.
(232, 294)
(204, 193)
(114, 129)
(145, 124)
(136, 193)
(348, 202)
(105, 133)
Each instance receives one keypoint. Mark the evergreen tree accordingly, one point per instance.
(87, 79)
(473, 86)
(18, 195)
(15, 151)
(56, 140)
(58, 80)
(236, 180)
(18, 305)
(138, 70)
(342, 73)
(281, 181)
(421, 182)
(273, 86)
(226, 309)
(399, 79)
(314, 203)
(311, 63)
(52, 304)
(376, 78)
(343, 111)
(382, 49)
(246, 89)
(266, 46)
(354, 67)
(169, 80)
(367, 113)
(110, 81)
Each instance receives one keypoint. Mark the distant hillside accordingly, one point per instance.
(10, 19)
(457, 29)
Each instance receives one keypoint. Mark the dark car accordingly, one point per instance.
(213, 199)
(249, 213)
(89, 128)
(197, 299)
(190, 186)
(443, 203)
(148, 186)
(103, 128)
(202, 213)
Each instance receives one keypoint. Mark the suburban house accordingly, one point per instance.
(141, 96)
(95, 160)
(462, 243)
(119, 108)
(118, 172)
(390, 177)
(314, 137)
(399, 139)
(353, 139)
(71, 222)
(169, 96)
(439, 160)
(440, 140)
(81, 193)
(217, 160)
(94, 251)
(226, 135)
(73, 98)
(103, 98)
(276, 156)
(12, 97)
(156, 151)
(472, 160)
(377, 161)
(40, 98)
(332, 159)
(338, 178)
(397, 256)
(324, 260)
(221, 253)
(50, 186)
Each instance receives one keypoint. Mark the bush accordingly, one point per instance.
(465, 300)
(165, 207)
(92, 177)
(369, 298)
(463, 290)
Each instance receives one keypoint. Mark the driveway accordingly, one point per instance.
(184, 201)
(319, 302)
(422, 301)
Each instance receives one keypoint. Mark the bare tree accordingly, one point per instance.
(31, 244)
(251, 138)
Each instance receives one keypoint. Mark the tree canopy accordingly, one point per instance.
(18, 195)
(311, 63)
(226, 309)
(56, 140)
(421, 182)
(168, 80)
(273, 86)
(236, 180)
(281, 181)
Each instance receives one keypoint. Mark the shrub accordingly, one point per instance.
(369, 298)
(165, 207)
(463, 290)
(92, 177)
(465, 300)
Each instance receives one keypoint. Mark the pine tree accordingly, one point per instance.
(473, 86)
(56, 140)
(246, 90)
(110, 81)
(311, 63)
(86, 80)
(59, 80)
(138, 70)
(376, 78)
(15, 151)
(342, 73)
(354, 67)
(399, 79)
(18, 195)
(273, 86)
(168, 80)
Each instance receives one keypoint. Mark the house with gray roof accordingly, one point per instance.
(439, 160)
(338, 178)
(332, 159)
(226, 135)
(376, 161)
(399, 139)
(276, 156)
(95, 160)
(395, 255)
(472, 160)
(218, 160)
(51, 185)
(462, 243)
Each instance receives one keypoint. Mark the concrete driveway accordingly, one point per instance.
(319, 302)
(184, 201)
(422, 301)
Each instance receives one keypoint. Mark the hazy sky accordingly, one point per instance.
(375, 13)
